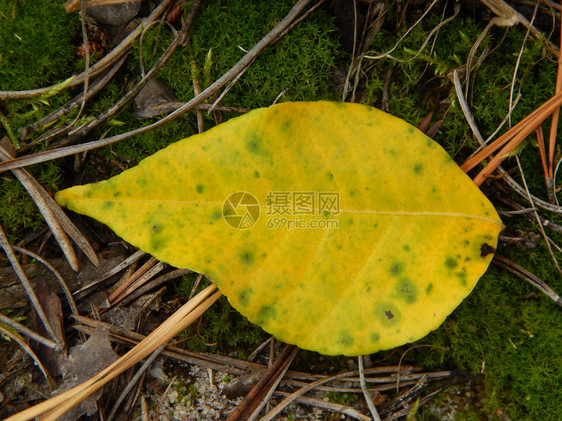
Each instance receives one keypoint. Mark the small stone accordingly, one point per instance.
(114, 14)
(154, 99)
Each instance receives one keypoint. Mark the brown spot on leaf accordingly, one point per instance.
(486, 249)
(388, 314)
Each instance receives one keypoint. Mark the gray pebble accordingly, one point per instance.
(114, 14)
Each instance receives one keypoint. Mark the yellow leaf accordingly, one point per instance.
(334, 226)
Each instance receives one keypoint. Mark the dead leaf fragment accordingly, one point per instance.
(84, 362)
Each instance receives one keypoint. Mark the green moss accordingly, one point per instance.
(300, 64)
(40, 33)
(18, 212)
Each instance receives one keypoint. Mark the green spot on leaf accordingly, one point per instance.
(451, 262)
(418, 168)
(247, 257)
(345, 338)
(396, 268)
(406, 290)
(265, 314)
(244, 296)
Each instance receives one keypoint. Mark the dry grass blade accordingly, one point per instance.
(29, 333)
(116, 269)
(4, 243)
(56, 219)
(258, 395)
(530, 277)
(58, 405)
(26, 348)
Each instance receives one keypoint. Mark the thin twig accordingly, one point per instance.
(366, 394)
(536, 215)
(133, 92)
(509, 14)
(530, 277)
(95, 87)
(275, 380)
(116, 269)
(86, 62)
(29, 351)
(326, 405)
(133, 381)
(157, 268)
(323, 380)
(29, 333)
(4, 243)
(410, 29)
(254, 401)
(122, 286)
(155, 283)
(60, 279)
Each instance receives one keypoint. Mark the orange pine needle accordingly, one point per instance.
(542, 150)
(555, 114)
(514, 136)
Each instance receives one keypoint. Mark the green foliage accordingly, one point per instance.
(341, 398)
(39, 33)
(523, 382)
(186, 392)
